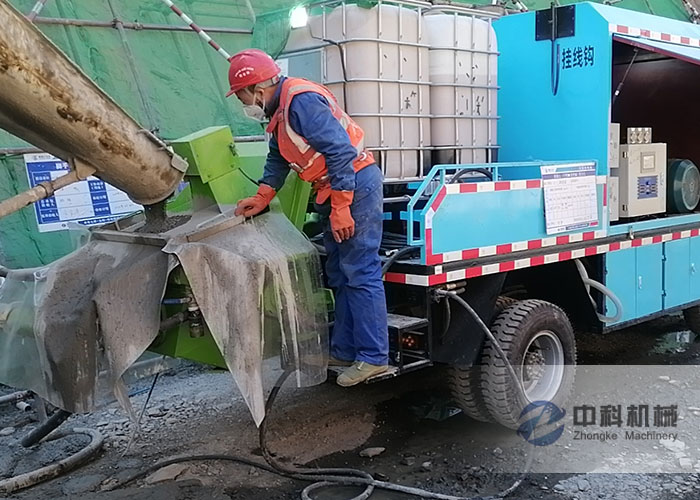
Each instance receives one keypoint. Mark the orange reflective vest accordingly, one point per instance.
(302, 158)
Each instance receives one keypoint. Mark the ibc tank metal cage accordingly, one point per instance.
(380, 73)
(463, 102)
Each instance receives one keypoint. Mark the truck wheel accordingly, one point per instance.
(692, 318)
(502, 303)
(539, 342)
(465, 381)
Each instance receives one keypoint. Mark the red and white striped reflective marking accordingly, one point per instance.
(518, 246)
(202, 34)
(482, 187)
(654, 35)
(472, 272)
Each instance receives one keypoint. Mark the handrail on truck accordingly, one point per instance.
(435, 180)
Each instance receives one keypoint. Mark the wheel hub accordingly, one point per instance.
(534, 365)
(542, 370)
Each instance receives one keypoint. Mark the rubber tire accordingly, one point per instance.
(465, 381)
(692, 319)
(514, 328)
(502, 303)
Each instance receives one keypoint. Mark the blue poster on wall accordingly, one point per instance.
(89, 202)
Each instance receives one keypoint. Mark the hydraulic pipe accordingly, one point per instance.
(48, 101)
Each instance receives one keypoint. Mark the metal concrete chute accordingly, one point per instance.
(48, 101)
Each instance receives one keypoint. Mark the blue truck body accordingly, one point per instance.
(555, 106)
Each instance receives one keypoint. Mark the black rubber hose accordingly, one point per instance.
(520, 391)
(320, 477)
(496, 345)
(396, 256)
(46, 428)
(327, 477)
(461, 173)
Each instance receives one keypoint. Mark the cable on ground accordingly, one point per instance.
(22, 481)
(333, 477)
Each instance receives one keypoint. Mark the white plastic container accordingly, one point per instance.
(463, 95)
(384, 85)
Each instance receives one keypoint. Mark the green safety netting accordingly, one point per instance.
(183, 80)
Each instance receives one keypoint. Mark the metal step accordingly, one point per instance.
(402, 323)
(395, 371)
(392, 372)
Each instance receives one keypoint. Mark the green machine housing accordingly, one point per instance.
(220, 172)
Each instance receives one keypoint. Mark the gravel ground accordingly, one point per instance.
(198, 410)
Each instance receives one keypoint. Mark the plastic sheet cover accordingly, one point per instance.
(69, 331)
(259, 287)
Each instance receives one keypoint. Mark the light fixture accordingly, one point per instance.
(298, 17)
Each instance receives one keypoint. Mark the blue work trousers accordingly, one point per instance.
(354, 273)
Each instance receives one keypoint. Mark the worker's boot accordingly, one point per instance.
(359, 372)
(333, 361)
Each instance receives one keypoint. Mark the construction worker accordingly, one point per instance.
(313, 136)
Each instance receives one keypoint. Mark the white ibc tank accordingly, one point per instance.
(463, 73)
(385, 84)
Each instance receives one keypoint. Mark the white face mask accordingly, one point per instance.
(255, 112)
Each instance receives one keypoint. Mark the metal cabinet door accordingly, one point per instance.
(649, 279)
(694, 269)
(621, 279)
(677, 273)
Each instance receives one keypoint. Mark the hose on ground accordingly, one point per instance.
(320, 477)
(8, 486)
(45, 429)
(15, 397)
(333, 477)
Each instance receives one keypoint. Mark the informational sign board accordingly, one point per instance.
(570, 197)
(89, 202)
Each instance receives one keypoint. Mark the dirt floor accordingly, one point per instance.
(196, 410)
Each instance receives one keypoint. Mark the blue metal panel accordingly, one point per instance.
(635, 276)
(694, 265)
(535, 123)
(649, 279)
(487, 217)
(483, 219)
(668, 221)
(621, 278)
(677, 273)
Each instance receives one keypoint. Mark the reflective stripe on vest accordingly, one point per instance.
(302, 158)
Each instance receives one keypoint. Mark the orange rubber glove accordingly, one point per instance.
(249, 207)
(342, 223)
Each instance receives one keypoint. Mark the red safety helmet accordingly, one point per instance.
(250, 67)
